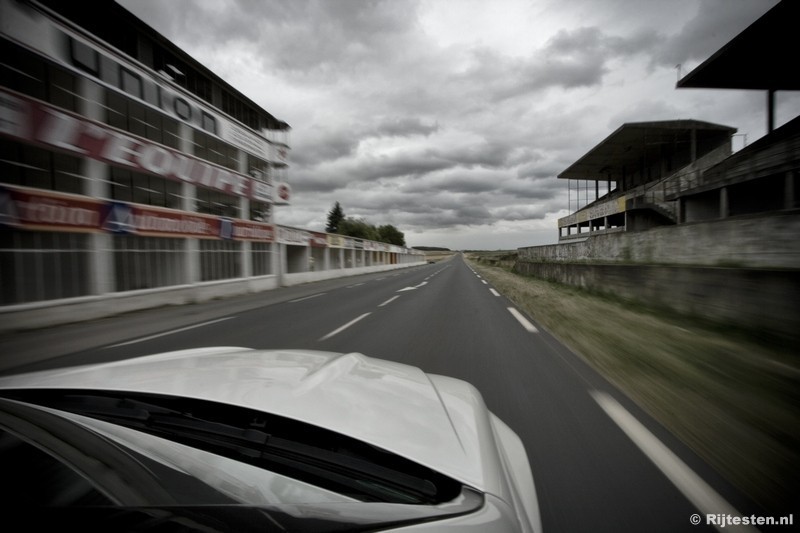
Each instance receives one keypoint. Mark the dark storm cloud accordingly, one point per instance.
(571, 59)
(405, 125)
(324, 146)
(325, 39)
(404, 164)
(533, 189)
(716, 23)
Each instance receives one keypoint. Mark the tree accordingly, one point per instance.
(358, 228)
(335, 217)
(391, 235)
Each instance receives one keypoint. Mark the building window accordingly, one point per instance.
(261, 253)
(26, 165)
(147, 262)
(27, 73)
(216, 151)
(140, 119)
(258, 168)
(260, 211)
(240, 110)
(138, 188)
(218, 203)
(37, 266)
(220, 259)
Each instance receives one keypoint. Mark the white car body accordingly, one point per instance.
(435, 421)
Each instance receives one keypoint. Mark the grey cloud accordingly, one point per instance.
(570, 59)
(324, 148)
(592, 41)
(490, 154)
(520, 212)
(333, 38)
(466, 135)
(716, 22)
(405, 164)
(405, 127)
(534, 189)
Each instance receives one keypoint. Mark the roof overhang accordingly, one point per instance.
(763, 56)
(634, 142)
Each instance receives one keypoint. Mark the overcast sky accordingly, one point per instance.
(450, 119)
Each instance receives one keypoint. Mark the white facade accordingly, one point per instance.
(118, 182)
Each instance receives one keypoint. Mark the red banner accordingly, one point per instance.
(35, 209)
(36, 122)
(46, 211)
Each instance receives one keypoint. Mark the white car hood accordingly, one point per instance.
(435, 421)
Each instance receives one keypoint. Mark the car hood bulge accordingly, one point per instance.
(436, 421)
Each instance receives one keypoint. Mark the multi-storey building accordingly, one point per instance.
(127, 165)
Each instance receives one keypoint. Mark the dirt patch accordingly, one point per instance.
(733, 400)
(435, 256)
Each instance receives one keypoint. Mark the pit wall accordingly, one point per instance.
(746, 241)
(743, 273)
(69, 310)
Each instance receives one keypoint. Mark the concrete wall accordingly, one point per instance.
(747, 241)
(760, 300)
(308, 277)
(65, 311)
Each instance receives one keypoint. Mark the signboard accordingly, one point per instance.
(160, 222)
(283, 194)
(46, 211)
(293, 236)
(318, 240)
(104, 66)
(32, 121)
(610, 207)
(335, 241)
(34, 209)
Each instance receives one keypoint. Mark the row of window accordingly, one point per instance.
(38, 266)
(27, 73)
(141, 120)
(30, 74)
(28, 166)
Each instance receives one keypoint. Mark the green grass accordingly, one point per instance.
(732, 399)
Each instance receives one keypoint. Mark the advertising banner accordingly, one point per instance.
(35, 209)
(32, 121)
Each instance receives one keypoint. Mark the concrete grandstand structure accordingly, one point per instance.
(682, 221)
(133, 176)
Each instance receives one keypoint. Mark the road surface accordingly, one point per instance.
(599, 462)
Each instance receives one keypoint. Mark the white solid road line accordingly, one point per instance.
(339, 330)
(170, 332)
(697, 491)
(522, 320)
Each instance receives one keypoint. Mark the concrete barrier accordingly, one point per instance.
(763, 301)
(69, 310)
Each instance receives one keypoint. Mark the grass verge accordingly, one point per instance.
(731, 399)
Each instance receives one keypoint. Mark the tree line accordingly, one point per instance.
(359, 228)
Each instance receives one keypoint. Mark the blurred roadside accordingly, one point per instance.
(730, 397)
